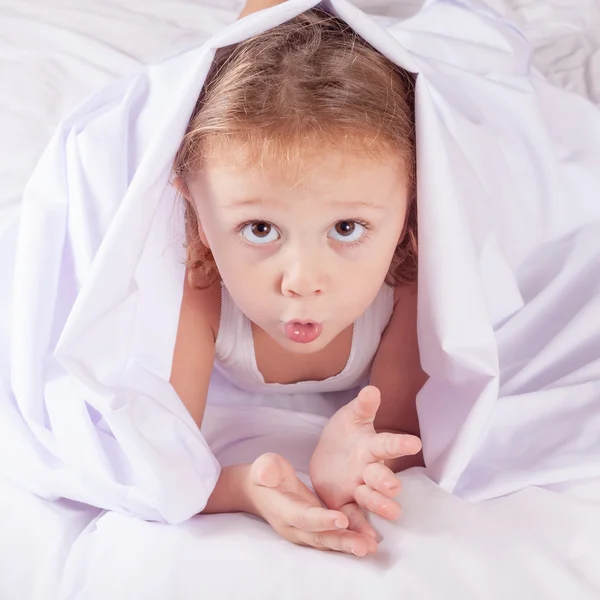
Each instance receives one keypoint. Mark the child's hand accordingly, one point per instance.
(347, 464)
(280, 498)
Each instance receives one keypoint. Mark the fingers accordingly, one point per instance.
(324, 529)
(380, 478)
(327, 529)
(385, 446)
(377, 503)
(316, 518)
(346, 541)
(357, 521)
(364, 406)
(299, 507)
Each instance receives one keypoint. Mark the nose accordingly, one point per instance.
(303, 275)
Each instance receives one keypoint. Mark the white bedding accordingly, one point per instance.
(536, 543)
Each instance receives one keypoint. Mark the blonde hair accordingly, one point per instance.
(308, 83)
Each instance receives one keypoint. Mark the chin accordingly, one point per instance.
(309, 348)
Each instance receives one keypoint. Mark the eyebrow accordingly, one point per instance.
(248, 202)
(341, 203)
(358, 204)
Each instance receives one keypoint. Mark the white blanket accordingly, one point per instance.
(508, 324)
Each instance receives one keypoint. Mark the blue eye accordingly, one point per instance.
(259, 232)
(347, 231)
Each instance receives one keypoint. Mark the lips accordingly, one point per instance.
(302, 332)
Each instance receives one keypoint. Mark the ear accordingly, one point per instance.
(182, 188)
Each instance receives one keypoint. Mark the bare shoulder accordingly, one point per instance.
(399, 340)
(202, 307)
(405, 297)
(403, 322)
(195, 346)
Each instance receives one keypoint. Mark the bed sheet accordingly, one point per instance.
(565, 37)
(534, 544)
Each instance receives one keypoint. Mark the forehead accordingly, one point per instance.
(324, 180)
(296, 164)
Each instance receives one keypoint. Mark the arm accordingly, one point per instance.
(252, 6)
(194, 352)
(231, 494)
(193, 360)
(398, 374)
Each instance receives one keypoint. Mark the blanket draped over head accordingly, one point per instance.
(509, 276)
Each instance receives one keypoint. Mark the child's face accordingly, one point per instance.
(318, 250)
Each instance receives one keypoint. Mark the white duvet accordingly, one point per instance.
(513, 403)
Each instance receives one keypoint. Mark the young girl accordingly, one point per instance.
(298, 173)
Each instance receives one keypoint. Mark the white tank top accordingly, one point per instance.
(235, 357)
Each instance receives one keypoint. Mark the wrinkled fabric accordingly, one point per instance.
(509, 292)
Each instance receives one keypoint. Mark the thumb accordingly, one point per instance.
(266, 471)
(364, 407)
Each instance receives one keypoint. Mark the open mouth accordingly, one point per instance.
(302, 332)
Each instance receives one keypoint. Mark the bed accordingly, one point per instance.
(536, 543)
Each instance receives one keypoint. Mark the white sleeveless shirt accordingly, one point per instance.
(235, 357)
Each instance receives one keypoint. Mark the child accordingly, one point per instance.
(298, 173)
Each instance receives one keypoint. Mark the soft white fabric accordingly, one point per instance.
(508, 299)
(235, 357)
(534, 544)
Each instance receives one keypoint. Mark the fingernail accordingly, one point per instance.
(339, 524)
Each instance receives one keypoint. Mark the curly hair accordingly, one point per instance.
(311, 81)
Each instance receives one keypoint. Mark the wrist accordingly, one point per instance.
(232, 492)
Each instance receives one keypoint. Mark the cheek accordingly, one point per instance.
(238, 269)
(228, 254)
(219, 239)
(250, 292)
